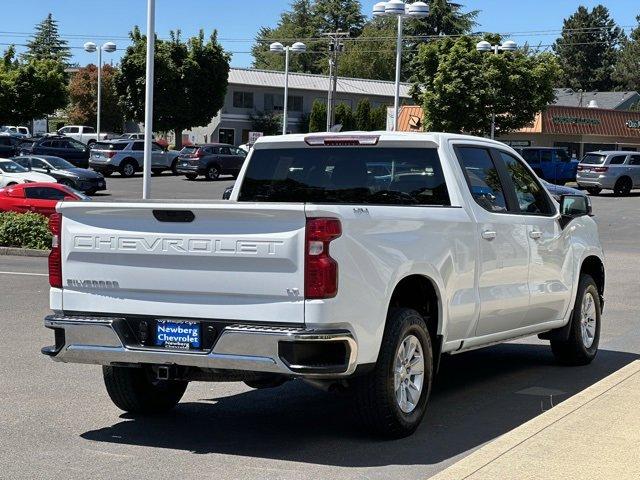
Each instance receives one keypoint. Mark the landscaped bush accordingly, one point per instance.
(25, 230)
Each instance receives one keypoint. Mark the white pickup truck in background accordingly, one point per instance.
(349, 260)
(86, 135)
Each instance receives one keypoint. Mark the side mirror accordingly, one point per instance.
(574, 206)
(48, 169)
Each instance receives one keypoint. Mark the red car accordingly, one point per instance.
(36, 197)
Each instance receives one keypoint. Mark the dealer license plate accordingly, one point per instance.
(178, 334)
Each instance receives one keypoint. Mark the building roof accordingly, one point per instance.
(566, 97)
(308, 81)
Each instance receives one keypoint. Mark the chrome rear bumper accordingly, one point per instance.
(100, 340)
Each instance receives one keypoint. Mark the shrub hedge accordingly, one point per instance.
(24, 230)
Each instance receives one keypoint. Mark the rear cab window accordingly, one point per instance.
(346, 175)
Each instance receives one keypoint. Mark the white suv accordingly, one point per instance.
(353, 259)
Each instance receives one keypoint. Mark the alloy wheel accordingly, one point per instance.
(588, 320)
(408, 372)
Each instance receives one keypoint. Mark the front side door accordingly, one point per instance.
(551, 268)
(43, 200)
(158, 156)
(503, 247)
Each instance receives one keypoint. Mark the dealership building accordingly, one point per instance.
(578, 121)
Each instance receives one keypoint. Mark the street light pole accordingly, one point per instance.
(277, 47)
(401, 10)
(148, 99)
(486, 47)
(91, 47)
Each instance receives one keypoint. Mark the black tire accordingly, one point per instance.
(623, 186)
(212, 173)
(128, 168)
(134, 390)
(574, 350)
(174, 167)
(594, 190)
(191, 176)
(375, 394)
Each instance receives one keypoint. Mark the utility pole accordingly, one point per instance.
(335, 48)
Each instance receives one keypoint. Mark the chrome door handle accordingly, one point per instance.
(535, 234)
(488, 235)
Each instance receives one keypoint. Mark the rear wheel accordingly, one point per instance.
(127, 168)
(135, 390)
(391, 400)
(594, 190)
(581, 346)
(213, 172)
(623, 186)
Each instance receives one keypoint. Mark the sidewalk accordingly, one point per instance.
(593, 435)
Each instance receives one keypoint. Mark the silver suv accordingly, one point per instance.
(615, 170)
(127, 157)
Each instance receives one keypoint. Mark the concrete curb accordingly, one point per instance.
(23, 252)
(492, 451)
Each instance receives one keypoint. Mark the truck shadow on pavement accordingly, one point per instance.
(477, 396)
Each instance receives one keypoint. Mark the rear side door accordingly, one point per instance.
(503, 247)
(551, 269)
(158, 155)
(634, 169)
(227, 161)
(236, 159)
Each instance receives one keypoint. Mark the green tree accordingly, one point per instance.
(298, 23)
(362, 117)
(445, 18)
(627, 70)
(190, 81)
(373, 54)
(47, 44)
(318, 117)
(83, 99)
(379, 118)
(459, 87)
(587, 49)
(268, 123)
(30, 88)
(344, 117)
(333, 15)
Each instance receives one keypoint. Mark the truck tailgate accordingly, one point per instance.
(241, 262)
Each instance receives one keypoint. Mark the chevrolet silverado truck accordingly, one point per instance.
(353, 261)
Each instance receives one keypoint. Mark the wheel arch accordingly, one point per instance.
(593, 266)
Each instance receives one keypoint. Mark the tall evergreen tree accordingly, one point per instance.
(627, 69)
(445, 18)
(587, 49)
(47, 44)
(318, 117)
(362, 116)
(334, 15)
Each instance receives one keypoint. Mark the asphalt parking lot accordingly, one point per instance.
(57, 421)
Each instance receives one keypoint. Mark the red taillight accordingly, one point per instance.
(199, 153)
(55, 257)
(580, 168)
(111, 153)
(601, 169)
(321, 271)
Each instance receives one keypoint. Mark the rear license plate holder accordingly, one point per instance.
(178, 334)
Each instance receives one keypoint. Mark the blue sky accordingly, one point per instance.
(238, 20)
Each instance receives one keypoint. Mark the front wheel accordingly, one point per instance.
(174, 167)
(135, 390)
(623, 186)
(581, 346)
(66, 182)
(391, 400)
(127, 169)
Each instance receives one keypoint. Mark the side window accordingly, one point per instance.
(73, 130)
(483, 178)
(23, 161)
(634, 160)
(88, 130)
(44, 193)
(138, 146)
(531, 196)
(238, 152)
(225, 151)
(46, 144)
(617, 160)
(546, 155)
(156, 148)
(37, 163)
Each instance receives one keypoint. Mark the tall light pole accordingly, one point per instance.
(277, 47)
(148, 99)
(91, 47)
(400, 10)
(486, 47)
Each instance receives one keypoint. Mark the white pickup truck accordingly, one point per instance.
(86, 135)
(350, 260)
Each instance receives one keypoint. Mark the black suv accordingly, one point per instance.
(70, 149)
(9, 145)
(210, 160)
